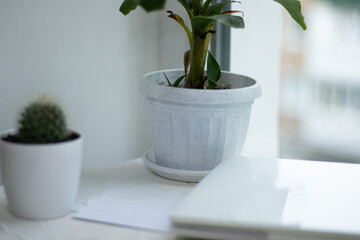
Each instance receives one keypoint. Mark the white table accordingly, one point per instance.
(339, 181)
(93, 181)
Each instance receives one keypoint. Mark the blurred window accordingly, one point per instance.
(310, 108)
(320, 83)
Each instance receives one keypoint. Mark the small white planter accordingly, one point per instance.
(197, 129)
(41, 180)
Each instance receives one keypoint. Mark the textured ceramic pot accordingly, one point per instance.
(41, 180)
(197, 129)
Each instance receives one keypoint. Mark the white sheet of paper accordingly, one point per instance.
(138, 206)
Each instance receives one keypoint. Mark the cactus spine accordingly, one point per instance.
(42, 121)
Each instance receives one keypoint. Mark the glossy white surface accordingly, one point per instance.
(283, 198)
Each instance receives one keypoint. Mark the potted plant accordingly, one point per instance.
(41, 162)
(198, 117)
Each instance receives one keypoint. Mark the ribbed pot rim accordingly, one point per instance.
(152, 88)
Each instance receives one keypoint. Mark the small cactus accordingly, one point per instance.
(42, 121)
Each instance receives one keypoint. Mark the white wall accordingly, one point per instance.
(256, 53)
(90, 58)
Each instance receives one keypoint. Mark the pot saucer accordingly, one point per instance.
(171, 173)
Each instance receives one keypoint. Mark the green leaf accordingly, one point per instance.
(205, 7)
(202, 23)
(128, 5)
(178, 81)
(228, 20)
(213, 71)
(189, 3)
(168, 80)
(149, 5)
(187, 7)
(216, 8)
(196, 5)
(294, 9)
(211, 84)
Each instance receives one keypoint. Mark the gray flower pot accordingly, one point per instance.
(197, 129)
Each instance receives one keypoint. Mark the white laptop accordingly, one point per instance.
(248, 198)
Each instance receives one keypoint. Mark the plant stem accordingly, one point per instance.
(199, 50)
(198, 58)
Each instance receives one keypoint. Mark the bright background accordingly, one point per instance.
(320, 84)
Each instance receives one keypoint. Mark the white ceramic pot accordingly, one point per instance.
(197, 129)
(41, 180)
